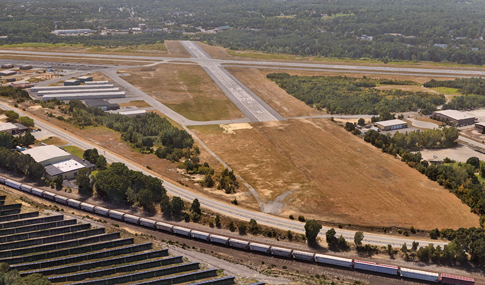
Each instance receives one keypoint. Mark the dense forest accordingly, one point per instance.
(348, 95)
(438, 31)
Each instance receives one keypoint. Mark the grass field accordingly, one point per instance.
(187, 89)
(136, 103)
(331, 175)
(74, 150)
(176, 49)
(446, 90)
(53, 141)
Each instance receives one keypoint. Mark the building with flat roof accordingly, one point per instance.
(85, 78)
(129, 112)
(453, 117)
(100, 103)
(95, 82)
(7, 66)
(76, 87)
(21, 128)
(9, 128)
(25, 67)
(58, 162)
(391, 125)
(480, 128)
(71, 82)
(8, 72)
(84, 96)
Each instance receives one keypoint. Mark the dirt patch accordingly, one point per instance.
(334, 176)
(136, 103)
(186, 89)
(99, 76)
(53, 141)
(285, 104)
(176, 49)
(429, 120)
(229, 129)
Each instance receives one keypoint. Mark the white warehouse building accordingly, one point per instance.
(83, 96)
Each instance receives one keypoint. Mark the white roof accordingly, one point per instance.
(391, 123)
(129, 112)
(43, 153)
(454, 114)
(95, 82)
(7, 127)
(68, 165)
(419, 272)
(93, 90)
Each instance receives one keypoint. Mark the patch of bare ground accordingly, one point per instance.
(285, 104)
(412, 88)
(187, 89)
(176, 49)
(136, 103)
(428, 119)
(335, 176)
(99, 76)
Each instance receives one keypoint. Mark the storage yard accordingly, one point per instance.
(308, 163)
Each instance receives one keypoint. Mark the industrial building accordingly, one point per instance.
(78, 87)
(7, 66)
(453, 117)
(71, 82)
(84, 96)
(9, 128)
(391, 125)
(58, 162)
(480, 127)
(103, 104)
(93, 90)
(73, 32)
(85, 78)
(25, 67)
(95, 82)
(8, 72)
(129, 113)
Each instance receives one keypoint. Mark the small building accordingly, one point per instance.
(71, 82)
(453, 117)
(21, 128)
(25, 67)
(142, 26)
(391, 125)
(100, 103)
(130, 112)
(7, 66)
(85, 78)
(58, 162)
(480, 128)
(9, 128)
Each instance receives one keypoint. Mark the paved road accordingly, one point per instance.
(249, 103)
(221, 207)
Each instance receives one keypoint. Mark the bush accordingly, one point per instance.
(301, 219)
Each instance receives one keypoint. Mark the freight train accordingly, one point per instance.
(364, 266)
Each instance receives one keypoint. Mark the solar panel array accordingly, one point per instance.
(68, 252)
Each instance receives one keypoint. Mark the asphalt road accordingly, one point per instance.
(221, 207)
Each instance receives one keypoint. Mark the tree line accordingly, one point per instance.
(348, 95)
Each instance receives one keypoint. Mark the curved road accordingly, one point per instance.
(217, 206)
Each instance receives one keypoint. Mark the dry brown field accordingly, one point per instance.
(68, 59)
(176, 49)
(187, 89)
(136, 103)
(215, 51)
(333, 176)
(99, 76)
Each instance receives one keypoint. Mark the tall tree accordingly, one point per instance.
(312, 228)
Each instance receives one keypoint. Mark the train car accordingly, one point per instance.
(74, 203)
(237, 243)
(333, 260)
(132, 219)
(60, 199)
(259, 247)
(37, 192)
(280, 251)
(116, 214)
(2, 180)
(49, 195)
(181, 231)
(419, 275)
(101, 211)
(456, 280)
(13, 184)
(148, 223)
(26, 188)
(87, 207)
(374, 267)
(219, 239)
(164, 227)
(303, 255)
(200, 235)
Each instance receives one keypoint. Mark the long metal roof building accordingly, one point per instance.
(92, 90)
(82, 96)
(79, 87)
